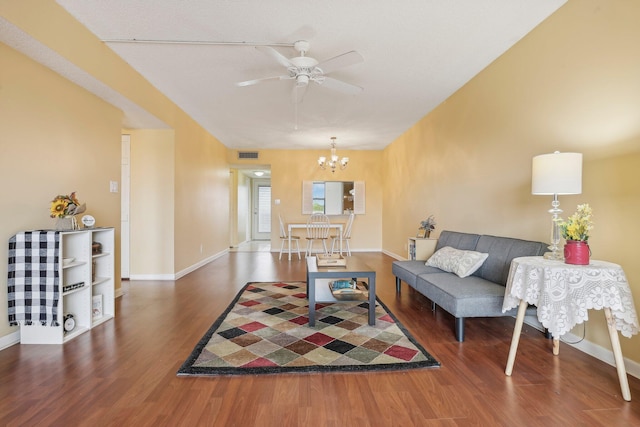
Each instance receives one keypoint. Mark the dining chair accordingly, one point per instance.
(346, 237)
(317, 229)
(284, 236)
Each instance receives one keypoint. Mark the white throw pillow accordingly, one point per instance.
(460, 262)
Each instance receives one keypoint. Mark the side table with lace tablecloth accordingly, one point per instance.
(563, 294)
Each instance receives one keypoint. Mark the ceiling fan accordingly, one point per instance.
(304, 69)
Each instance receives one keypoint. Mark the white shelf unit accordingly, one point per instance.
(420, 249)
(103, 269)
(78, 301)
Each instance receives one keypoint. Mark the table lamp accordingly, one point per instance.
(555, 174)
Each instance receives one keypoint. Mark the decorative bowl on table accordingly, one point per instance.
(345, 290)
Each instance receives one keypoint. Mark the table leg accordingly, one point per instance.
(517, 329)
(372, 300)
(311, 289)
(617, 355)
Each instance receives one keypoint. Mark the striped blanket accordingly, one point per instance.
(33, 278)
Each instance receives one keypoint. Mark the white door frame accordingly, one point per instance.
(125, 191)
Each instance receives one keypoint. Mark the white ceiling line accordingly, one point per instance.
(197, 42)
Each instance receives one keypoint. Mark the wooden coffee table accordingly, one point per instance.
(355, 269)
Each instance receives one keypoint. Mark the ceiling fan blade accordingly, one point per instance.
(340, 61)
(297, 94)
(339, 86)
(282, 60)
(265, 79)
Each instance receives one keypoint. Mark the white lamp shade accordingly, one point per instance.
(557, 173)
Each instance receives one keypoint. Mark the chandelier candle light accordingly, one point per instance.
(556, 174)
(333, 160)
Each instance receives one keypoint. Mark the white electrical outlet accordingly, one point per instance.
(113, 186)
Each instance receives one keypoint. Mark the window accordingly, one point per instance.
(264, 209)
(318, 197)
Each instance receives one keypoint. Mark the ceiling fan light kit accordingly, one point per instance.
(304, 69)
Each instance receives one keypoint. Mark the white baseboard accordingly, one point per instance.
(200, 264)
(181, 273)
(9, 340)
(594, 350)
(151, 277)
(601, 353)
(395, 256)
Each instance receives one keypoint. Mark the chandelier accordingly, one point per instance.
(333, 161)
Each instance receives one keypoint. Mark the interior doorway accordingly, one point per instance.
(261, 201)
(250, 208)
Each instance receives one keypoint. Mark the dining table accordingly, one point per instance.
(338, 226)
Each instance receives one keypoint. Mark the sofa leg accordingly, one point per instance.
(460, 329)
(398, 285)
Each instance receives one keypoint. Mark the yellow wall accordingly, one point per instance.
(289, 168)
(151, 215)
(201, 195)
(239, 205)
(55, 138)
(570, 85)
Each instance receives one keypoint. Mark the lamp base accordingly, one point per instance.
(559, 256)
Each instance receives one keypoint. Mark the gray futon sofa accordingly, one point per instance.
(479, 295)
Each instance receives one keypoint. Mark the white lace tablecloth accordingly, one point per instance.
(563, 293)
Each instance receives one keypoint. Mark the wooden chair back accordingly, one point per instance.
(347, 229)
(318, 226)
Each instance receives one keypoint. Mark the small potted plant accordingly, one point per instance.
(426, 227)
(575, 231)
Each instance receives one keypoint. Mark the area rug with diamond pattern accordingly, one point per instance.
(265, 330)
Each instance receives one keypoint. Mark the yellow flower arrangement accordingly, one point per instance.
(578, 226)
(63, 206)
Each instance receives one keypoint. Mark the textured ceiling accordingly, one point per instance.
(416, 54)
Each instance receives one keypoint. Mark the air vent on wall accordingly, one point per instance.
(247, 154)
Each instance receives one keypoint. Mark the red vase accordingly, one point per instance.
(576, 252)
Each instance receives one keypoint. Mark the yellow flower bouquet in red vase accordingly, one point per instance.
(576, 231)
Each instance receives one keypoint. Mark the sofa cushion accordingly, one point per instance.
(468, 297)
(457, 240)
(501, 251)
(408, 271)
(461, 262)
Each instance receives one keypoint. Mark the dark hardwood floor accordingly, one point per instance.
(123, 373)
